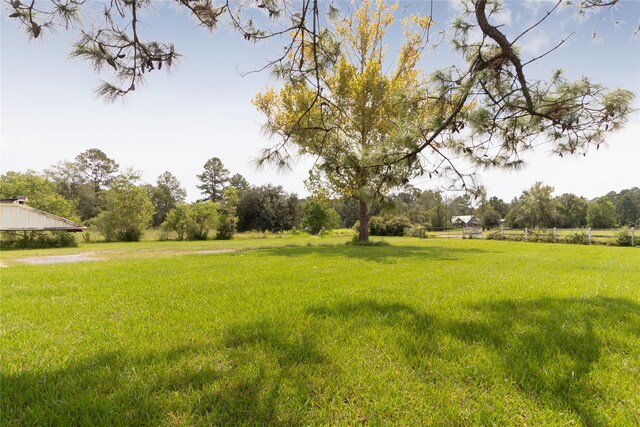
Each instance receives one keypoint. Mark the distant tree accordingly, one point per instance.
(83, 179)
(317, 214)
(202, 219)
(536, 207)
(572, 211)
(165, 195)
(267, 208)
(430, 199)
(601, 213)
(213, 179)
(40, 191)
(347, 208)
(460, 205)
(490, 218)
(228, 220)
(178, 221)
(628, 207)
(238, 182)
(96, 168)
(127, 210)
(498, 205)
(437, 217)
(193, 222)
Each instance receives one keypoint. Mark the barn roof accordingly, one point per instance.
(463, 218)
(20, 217)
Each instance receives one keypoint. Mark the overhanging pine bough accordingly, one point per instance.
(369, 140)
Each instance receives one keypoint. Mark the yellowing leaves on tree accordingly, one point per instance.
(359, 115)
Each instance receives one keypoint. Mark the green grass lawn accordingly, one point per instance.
(304, 330)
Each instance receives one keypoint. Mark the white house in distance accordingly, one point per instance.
(465, 221)
(15, 215)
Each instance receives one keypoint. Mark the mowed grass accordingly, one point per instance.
(440, 332)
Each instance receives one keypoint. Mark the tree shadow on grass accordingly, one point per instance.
(380, 254)
(547, 347)
(235, 382)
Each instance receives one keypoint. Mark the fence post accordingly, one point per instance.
(526, 234)
(463, 233)
(502, 231)
(554, 235)
(633, 236)
(589, 230)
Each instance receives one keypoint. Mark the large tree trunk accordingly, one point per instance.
(364, 222)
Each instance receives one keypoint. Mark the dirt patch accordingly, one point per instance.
(215, 251)
(59, 259)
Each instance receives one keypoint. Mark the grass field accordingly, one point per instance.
(302, 330)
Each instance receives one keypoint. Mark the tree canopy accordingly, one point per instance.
(214, 178)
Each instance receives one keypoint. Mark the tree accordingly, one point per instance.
(203, 217)
(97, 169)
(128, 210)
(177, 220)
(238, 182)
(628, 206)
(194, 221)
(371, 131)
(498, 205)
(165, 195)
(317, 215)
(39, 190)
(536, 207)
(490, 218)
(366, 115)
(267, 208)
(601, 213)
(82, 180)
(227, 213)
(572, 211)
(213, 179)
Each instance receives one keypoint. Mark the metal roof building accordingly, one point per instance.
(15, 215)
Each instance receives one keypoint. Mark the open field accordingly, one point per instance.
(300, 330)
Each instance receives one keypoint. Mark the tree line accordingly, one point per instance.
(93, 189)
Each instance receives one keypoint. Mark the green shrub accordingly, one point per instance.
(417, 231)
(37, 240)
(577, 238)
(226, 227)
(623, 237)
(389, 225)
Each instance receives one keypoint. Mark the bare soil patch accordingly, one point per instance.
(59, 259)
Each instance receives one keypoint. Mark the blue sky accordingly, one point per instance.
(202, 109)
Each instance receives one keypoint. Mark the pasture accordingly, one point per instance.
(301, 330)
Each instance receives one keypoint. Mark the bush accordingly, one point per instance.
(577, 238)
(226, 227)
(318, 215)
(389, 225)
(623, 237)
(417, 231)
(37, 240)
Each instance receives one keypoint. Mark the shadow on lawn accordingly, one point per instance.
(381, 254)
(546, 347)
(238, 382)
